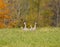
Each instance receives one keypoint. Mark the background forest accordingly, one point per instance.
(13, 13)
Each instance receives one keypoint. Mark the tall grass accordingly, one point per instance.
(42, 37)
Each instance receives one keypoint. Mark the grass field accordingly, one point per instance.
(43, 37)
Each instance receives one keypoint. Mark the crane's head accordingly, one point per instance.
(24, 22)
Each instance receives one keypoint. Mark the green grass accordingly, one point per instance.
(43, 37)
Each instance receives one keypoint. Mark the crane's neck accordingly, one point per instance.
(25, 25)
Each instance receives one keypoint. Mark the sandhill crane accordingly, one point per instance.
(25, 28)
(33, 28)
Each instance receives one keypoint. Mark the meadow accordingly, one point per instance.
(42, 37)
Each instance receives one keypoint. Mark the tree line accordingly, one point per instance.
(13, 13)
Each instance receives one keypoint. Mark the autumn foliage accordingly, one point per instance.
(3, 13)
(2, 4)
